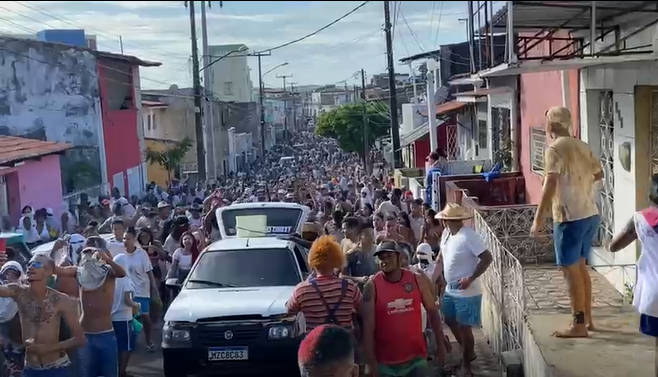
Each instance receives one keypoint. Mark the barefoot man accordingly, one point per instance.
(41, 309)
(571, 171)
(96, 274)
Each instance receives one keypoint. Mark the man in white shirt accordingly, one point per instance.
(465, 259)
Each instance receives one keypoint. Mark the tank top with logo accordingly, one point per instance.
(398, 320)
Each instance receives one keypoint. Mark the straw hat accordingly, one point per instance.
(453, 211)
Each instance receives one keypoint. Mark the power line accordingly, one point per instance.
(438, 26)
(317, 31)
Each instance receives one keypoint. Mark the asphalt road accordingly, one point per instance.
(144, 363)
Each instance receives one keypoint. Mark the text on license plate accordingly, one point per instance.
(228, 353)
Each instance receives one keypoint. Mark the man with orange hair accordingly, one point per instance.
(326, 298)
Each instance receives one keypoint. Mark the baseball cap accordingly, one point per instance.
(387, 247)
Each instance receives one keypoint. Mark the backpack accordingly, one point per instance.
(331, 312)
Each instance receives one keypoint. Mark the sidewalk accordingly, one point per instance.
(486, 364)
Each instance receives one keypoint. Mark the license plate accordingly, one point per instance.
(228, 353)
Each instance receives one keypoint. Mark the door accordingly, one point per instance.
(118, 182)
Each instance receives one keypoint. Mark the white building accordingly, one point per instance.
(229, 77)
(327, 99)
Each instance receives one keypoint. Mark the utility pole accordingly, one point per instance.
(294, 106)
(393, 102)
(285, 107)
(262, 110)
(208, 108)
(366, 142)
(431, 104)
(198, 124)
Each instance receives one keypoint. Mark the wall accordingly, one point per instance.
(33, 176)
(630, 187)
(538, 93)
(50, 92)
(121, 129)
(155, 172)
(504, 191)
(244, 118)
(233, 69)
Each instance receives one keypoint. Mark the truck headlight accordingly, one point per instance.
(176, 335)
(281, 331)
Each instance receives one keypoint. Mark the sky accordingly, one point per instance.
(160, 31)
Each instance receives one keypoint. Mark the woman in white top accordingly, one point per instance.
(184, 257)
(41, 226)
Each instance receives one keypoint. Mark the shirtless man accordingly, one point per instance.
(69, 286)
(41, 309)
(101, 356)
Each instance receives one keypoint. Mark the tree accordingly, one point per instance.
(345, 125)
(171, 157)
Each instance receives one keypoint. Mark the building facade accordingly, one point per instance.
(230, 78)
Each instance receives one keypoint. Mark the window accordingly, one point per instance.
(155, 120)
(537, 147)
(148, 122)
(228, 88)
(482, 134)
(245, 268)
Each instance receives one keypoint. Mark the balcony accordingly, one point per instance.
(525, 296)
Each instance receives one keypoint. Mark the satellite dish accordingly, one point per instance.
(173, 88)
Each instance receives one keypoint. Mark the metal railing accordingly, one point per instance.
(503, 296)
(93, 193)
(460, 167)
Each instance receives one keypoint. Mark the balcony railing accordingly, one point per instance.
(460, 167)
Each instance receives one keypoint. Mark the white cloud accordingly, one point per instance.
(160, 31)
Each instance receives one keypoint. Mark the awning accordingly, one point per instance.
(447, 108)
(417, 133)
(534, 66)
(484, 92)
(575, 15)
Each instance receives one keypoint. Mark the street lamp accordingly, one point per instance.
(260, 100)
(241, 49)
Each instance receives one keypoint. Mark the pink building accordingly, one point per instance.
(30, 175)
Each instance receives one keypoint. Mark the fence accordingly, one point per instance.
(503, 296)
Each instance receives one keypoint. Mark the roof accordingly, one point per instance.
(555, 14)
(173, 92)
(153, 103)
(16, 149)
(448, 107)
(127, 58)
(482, 92)
(264, 204)
(249, 243)
(102, 54)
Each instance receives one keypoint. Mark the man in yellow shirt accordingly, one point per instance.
(571, 172)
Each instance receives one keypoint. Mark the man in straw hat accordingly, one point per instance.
(571, 171)
(465, 259)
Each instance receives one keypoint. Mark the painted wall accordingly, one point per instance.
(156, 173)
(538, 93)
(121, 130)
(33, 176)
(50, 92)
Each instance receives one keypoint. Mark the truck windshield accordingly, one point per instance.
(244, 268)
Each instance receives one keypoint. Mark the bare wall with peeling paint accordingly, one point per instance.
(50, 91)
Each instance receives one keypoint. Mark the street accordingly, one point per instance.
(144, 363)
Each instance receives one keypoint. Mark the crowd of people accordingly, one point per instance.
(389, 273)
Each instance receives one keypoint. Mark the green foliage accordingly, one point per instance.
(345, 125)
(171, 157)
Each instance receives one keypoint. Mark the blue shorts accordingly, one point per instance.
(55, 372)
(124, 333)
(573, 239)
(101, 355)
(649, 325)
(463, 310)
(144, 303)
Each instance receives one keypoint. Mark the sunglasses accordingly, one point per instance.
(35, 265)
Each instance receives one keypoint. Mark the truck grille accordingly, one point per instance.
(214, 335)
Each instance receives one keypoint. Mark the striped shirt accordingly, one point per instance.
(306, 299)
